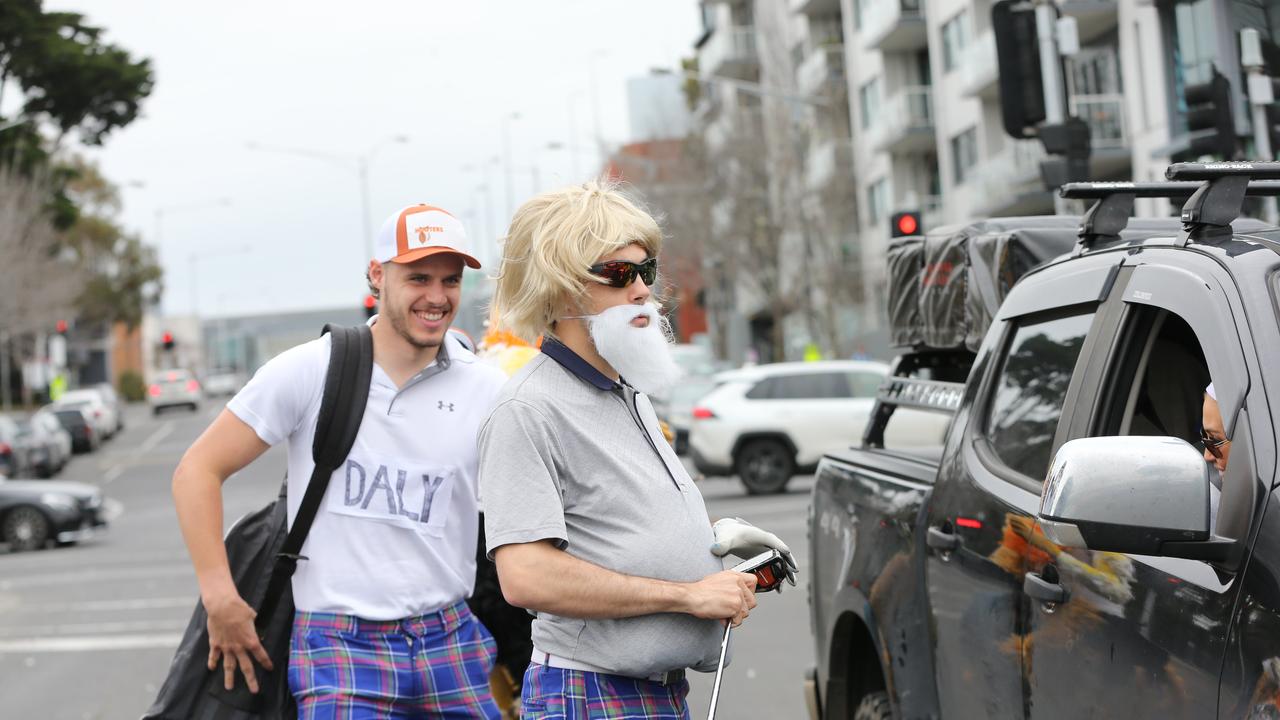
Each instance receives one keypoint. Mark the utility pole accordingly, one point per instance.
(1261, 94)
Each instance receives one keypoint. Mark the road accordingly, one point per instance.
(88, 631)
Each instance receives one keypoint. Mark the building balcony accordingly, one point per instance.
(827, 161)
(980, 69)
(894, 25)
(906, 124)
(822, 71)
(731, 52)
(816, 8)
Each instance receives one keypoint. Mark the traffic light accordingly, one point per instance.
(1022, 106)
(905, 223)
(1071, 141)
(166, 340)
(1211, 124)
(61, 327)
(370, 306)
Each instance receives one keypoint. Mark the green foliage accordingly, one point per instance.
(70, 77)
(124, 275)
(131, 386)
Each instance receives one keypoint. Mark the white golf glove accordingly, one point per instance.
(735, 536)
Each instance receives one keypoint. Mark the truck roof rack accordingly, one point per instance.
(1110, 214)
(1207, 215)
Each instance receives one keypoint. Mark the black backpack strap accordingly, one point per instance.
(346, 392)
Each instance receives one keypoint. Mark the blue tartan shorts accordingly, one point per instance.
(431, 666)
(556, 694)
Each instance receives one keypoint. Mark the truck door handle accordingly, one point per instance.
(939, 539)
(1043, 590)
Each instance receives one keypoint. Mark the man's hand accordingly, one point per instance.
(735, 536)
(725, 595)
(234, 640)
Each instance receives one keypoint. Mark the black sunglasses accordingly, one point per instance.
(621, 273)
(1213, 445)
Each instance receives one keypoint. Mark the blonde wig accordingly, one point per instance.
(553, 240)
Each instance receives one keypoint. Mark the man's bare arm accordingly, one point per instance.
(540, 577)
(226, 447)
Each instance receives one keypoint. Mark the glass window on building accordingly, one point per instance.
(955, 35)
(878, 201)
(1190, 34)
(869, 103)
(964, 154)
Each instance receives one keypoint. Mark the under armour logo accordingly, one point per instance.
(444, 404)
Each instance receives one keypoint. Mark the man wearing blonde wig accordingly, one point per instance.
(592, 520)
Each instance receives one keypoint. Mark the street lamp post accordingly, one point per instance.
(506, 157)
(361, 166)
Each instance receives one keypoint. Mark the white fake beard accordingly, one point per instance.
(641, 355)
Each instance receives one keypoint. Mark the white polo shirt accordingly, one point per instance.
(396, 532)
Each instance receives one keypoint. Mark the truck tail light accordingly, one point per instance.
(702, 413)
(154, 390)
(192, 386)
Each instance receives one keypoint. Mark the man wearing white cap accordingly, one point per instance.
(382, 627)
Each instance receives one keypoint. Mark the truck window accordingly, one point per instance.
(1155, 385)
(1029, 392)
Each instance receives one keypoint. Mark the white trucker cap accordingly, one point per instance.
(419, 231)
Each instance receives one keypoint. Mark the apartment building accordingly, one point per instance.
(923, 128)
(774, 123)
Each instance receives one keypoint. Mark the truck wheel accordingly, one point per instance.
(25, 528)
(874, 707)
(765, 466)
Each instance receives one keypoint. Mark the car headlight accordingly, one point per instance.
(63, 502)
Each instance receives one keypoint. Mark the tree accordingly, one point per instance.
(70, 77)
(123, 276)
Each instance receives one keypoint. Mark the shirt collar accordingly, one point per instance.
(574, 363)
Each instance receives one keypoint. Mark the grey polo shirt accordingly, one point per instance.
(571, 456)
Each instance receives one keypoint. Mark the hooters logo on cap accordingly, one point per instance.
(419, 231)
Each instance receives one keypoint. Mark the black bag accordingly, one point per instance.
(263, 556)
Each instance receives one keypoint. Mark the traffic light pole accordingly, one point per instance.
(1261, 94)
(1051, 77)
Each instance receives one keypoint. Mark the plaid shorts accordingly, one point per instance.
(435, 665)
(556, 694)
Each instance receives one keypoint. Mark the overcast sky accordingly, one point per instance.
(341, 78)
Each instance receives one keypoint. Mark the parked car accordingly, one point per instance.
(768, 422)
(33, 513)
(174, 388)
(223, 383)
(15, 456)
(112, 398)
(84, 436)
(676, 407)
(1073, 549)
(101, 414)
(49, 445)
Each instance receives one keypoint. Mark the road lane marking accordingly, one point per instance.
(115, 574)
(35, 632)
(158, 603)
(91, 643)
(110, 475)
(150, 443)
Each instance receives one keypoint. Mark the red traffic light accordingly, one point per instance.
(369, 302)
(905, 223)
(167, 338)
(61, 326)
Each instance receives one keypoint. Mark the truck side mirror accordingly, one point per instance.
(1134, 494)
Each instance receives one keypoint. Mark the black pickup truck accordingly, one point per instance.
(1068, 549)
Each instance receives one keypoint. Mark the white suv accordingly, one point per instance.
(770, 422)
